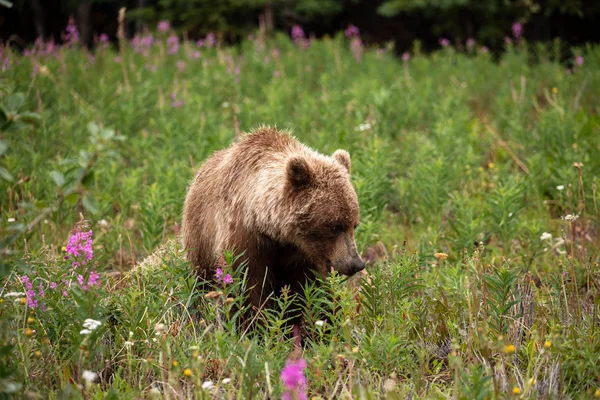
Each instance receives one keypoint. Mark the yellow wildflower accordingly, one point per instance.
(30, 320)
(509, 348)
(37, 353)
(441, 256)
(187, 372)
(23, 300)
(516, 390)
(554, 90)
(28, 332)
(175, 363)
(547, 344)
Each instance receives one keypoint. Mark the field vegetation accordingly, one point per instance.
(477, 176)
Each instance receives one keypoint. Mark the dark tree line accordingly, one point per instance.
(401, 21)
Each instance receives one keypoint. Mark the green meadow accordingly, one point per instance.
(477, 177)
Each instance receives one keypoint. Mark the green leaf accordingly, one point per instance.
(90, 203)
(93, 128)
(107, 134)
(3, 147)
(72, 199)
(4, 174)
(29, 117)
(58, 178)
(15, 101)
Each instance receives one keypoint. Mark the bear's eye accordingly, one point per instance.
(338, 228)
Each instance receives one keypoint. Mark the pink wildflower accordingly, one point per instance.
(470, 43)
(351, 31)
(163, 26)
(406, 56)
(72, 34)
(180, 65)
(275, 73)
(94, 279)
(294, 380)
(173, 44)
(29, 292)
(219, 274)
(196, 54)
(444, 42)
(356, 47)
(103, 38)
(227, 279)
(507, 40)
(80, 244)
(579, 60)
(52, 285)
(41, 291)
(517, 30)
(210, 40)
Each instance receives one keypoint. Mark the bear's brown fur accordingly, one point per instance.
(290, 210)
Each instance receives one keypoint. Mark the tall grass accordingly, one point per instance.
(478, 185)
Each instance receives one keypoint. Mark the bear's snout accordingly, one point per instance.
(356, 265)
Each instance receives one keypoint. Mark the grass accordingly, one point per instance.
(465, 167)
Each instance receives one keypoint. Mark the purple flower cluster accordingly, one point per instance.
(227, 279)
(294, 380)
(444, 42)
(71, 34)
(163, 26)
(176, 103)
(80, 244)
(93, 280)
(351, 31)
(30, 293)
(173, 44)
(470, 43)
(142, 44)
(298, 36)
(517, 30)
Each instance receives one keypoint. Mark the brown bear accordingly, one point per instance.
(289, 209)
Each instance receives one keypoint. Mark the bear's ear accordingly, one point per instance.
(342, 157)
(298, 172)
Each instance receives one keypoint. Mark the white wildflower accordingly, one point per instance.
(155, 391)
(226, 381)
(364, 127)
(560, 187)
(546, 236)
(225, 104)
(91, 324)
(14, 294)
(103, 223)
(85, 332)
(160, 328)
(11, 220)
(130, 334)
(570, 217)
(319, 323)
(128, 344)
(88, 376)
(208, 385)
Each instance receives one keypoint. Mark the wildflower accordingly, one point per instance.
(91, 324)
(484, 49)
(52, 285)
(159, 328)
(444, 42)
(597, 393)
(507, 40)
(41, 291)
(187, 372)
(37, 354)
(94, 279)
(470, 43)
(570, 217)
(30, 320)
(196, 54)
(227, 279)
(72, 34)
(23, 300)
(173, 44)
(554, 90)
(509, 348)
(200, 43)
(441, 256)
(517, 30)
(351, 31)
(547, 344)
(319, 323)
(163, 26)
(64, 293)
(80, 244)
(180, 65)
(405, 56)
(10, 220)
(207, 385)
(30, 300)
(103, 223)
(89, 377)
(210, 40)
(546, 236)
(560, 187)
(355, 350)
(579, 61)
(516, 390)
(298, 36)
(364, 127)
(294, 380)
(356, 47)
(275, 73)
(103, 38)
(118, 59)
(128, 344)
(28, 332)
(226, 381)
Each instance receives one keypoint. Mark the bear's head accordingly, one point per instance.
(323, 211)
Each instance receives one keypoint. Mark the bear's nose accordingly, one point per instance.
(357, 266)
